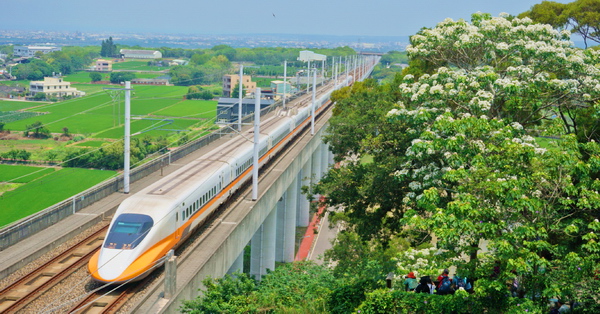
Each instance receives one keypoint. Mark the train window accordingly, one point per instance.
(128, 231)
(176, 217)
(183, 215)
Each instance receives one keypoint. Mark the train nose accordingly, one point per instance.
(112, 263)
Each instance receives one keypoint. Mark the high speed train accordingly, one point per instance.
(160, 217)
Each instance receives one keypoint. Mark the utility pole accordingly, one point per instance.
(127, 137)
(312, 116)
(240, 98)
(127, 149)
(308, 78)
(284, 80)
(256, 142)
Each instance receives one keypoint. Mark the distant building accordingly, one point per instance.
(178, 62)
(103, 65)
(140, 54)
(228, 110)
(307, 55)
(277, 88)
(230, 81)
(29, 51)
(147, 81)
(10, 91)
(54, 86)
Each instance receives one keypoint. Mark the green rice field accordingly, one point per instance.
(22, 174)
(137, 66)
(10, 105)
(84, 77)
(191, 108)
(98, 114)
(47, 190)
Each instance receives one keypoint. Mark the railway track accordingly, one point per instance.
(106, 300)
(17, 295)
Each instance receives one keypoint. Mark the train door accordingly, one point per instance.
(180, 217)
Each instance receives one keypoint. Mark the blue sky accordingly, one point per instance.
(321, 17)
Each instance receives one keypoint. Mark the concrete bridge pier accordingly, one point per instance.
(303, 204)
(324, 159)
(262, 246)
(289, 236)
(238, 264)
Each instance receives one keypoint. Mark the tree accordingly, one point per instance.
(120, 77)
(293, 287)
(548, 12)
(108, 48)
(39, 96)
(581, 17)
(95, 76)
(38, 129)
(235, 92)
(454, 159)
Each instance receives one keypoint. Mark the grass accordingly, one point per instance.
(263, 82)
(9, 105)
(191, 108)
(33, 146)
(137, 66)
(145, 126)
(84, 77)
(545, 142)
(22, 174)
(92, 88)
(48, 190)
(90, 144)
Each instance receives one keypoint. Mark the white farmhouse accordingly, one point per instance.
(140, 54)
(54, 86)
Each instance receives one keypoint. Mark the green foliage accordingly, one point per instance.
(110, 156)
(120, 77)
(109, 48)
(197, 92)
(347, 297)
(38, 130)
(395, 301)
(223, 295)
(17, 154)
(454, 159)
(95, 76)
(582, 17)
(35, 70)
(293, 287)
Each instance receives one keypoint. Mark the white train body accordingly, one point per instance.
(158, 218)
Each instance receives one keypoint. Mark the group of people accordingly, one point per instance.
(443, 285)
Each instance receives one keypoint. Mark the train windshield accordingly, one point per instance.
(128, 231)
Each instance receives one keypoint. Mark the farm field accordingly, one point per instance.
(10, 105)
(191, 108)
(84, 77)
(93, 144)
(36, 147)
(98, 112)
(22, 174)
(137, 66)
(47, 190)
